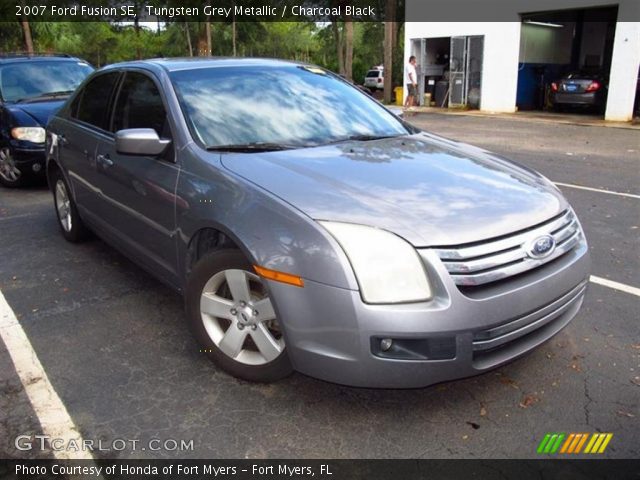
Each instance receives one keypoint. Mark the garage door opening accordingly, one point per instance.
(449, 71)
(565, 60)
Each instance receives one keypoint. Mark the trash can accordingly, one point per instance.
(399, 95)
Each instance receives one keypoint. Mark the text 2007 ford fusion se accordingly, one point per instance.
(309, 228)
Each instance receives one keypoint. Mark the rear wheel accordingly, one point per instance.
(231, 315)
(73, 229)
(10, 174)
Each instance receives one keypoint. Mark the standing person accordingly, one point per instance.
(411, 82)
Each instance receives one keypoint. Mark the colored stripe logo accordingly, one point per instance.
(574, 443)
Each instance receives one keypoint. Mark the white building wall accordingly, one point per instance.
(624, 72)
(500, 59)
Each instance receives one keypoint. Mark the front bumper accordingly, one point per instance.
(332, 335)
(30, 161)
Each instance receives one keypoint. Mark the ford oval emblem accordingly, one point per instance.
(541, 247)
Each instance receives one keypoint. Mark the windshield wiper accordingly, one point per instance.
(62, 93)
(252, 147)
(361, 138)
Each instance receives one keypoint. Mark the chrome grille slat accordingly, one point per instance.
(489, 248)
(486, 262)
(505, 257)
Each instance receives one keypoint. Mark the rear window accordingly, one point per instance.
(373, 73)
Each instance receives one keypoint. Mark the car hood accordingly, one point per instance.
(429, 190)
(41, 112)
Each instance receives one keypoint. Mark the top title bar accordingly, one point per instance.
(311, 10)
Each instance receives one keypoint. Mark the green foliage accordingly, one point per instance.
(105, 42)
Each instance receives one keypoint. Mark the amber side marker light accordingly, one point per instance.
(279, 276)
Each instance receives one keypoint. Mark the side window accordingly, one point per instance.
(91, 105)
(139, 105)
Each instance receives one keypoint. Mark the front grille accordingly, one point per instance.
(497, 259)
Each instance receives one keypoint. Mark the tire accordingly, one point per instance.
(72, 227)
(235, 326)
(10, 175)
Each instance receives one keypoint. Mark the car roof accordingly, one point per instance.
(24, 58)
(191, 63)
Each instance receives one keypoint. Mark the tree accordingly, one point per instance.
(337, 36)
(390, 32)
(348, 48)
(26, 31)
(188, 34)
(207, 29)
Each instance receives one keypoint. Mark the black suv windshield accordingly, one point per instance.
(278, 105)
(23, 81)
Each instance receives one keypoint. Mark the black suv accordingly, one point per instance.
(32, 88)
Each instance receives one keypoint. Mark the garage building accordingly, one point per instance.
(504, 66)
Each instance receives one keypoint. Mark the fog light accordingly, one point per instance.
(385, 344)
(36, 167)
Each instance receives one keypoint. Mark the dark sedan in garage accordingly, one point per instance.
(580, 89)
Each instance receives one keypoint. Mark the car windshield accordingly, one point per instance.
(22, 81)
(292, 106)
(372, 74)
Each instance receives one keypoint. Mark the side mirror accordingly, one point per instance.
(140, 141)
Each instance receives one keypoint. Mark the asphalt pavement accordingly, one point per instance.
(115, 346)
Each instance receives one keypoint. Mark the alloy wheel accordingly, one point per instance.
(63, 206)
(238, 316)
(8, 170)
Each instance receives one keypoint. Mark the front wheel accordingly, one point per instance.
(10, 174)
(232, 317)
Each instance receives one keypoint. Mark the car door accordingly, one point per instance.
(77, 136)
(138, 190)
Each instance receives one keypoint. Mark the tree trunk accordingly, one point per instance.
(208, 33)
(186, 29)
(348, 49)
(339, 47)
(233, 30)
(136, 26)
(26, 32)
(390, 30)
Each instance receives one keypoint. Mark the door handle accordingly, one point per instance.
(105, 160)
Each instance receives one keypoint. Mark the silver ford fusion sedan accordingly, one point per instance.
(309, 228)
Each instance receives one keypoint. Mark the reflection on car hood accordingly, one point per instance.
(40, 111)
(429, 190)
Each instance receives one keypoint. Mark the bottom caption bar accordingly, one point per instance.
(321, 469)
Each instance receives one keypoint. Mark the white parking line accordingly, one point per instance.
(51, 412)
(615, 285)
(599, 190)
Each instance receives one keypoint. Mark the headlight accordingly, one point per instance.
(388, 269)
(29, 134)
